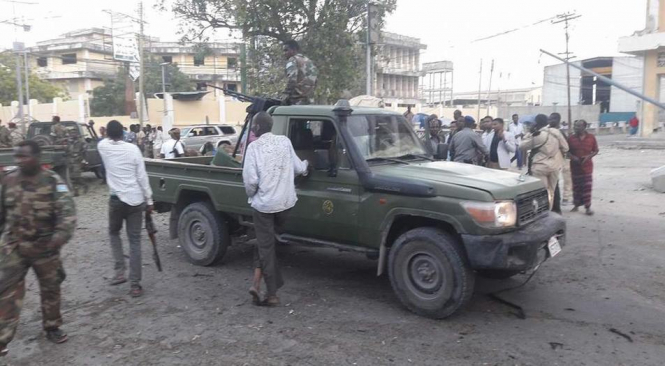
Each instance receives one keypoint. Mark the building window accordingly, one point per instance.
(661, 59)
(201, 86)
(68, 58)
(199, 60)
(232, 63)
(232, 87)
(42, 62)
(168, 59)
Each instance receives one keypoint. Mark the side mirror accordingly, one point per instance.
(191, 134)
(441, 152)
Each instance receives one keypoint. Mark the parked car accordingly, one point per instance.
(194, 137)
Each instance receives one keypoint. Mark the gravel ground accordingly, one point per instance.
(600, 302)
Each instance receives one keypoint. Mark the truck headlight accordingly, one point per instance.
(492, 214)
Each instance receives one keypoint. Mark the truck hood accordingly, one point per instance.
(500, 184)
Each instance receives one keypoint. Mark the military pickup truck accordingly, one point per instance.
(433, 226)
(54, 157)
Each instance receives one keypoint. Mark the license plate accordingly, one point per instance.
(553, 246)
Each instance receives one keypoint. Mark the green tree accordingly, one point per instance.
(41, 90)
(109, 99)
(330, 32)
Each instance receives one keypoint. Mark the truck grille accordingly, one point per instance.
(531, 205)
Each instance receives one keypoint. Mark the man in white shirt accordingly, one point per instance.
(501, 145)
(158, 141)
(270, 166)
(173, 147)
(517, 130)
(130, 195)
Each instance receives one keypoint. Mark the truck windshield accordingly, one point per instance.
(381, 136)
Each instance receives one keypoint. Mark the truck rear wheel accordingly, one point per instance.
(429, 273)
(203, 235)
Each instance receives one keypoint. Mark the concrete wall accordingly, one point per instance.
(554, 85)
(627, 71)
(589, 113)
(185, 113)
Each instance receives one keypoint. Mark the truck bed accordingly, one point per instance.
(196, 176)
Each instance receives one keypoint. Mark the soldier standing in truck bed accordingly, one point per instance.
(59, 132)
(301, 76)
(5, 139)
(38, 217)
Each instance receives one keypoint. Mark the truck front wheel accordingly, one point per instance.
(203, 235)
(429, 273)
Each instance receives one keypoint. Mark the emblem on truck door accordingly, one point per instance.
(328, 207)
(535, 205)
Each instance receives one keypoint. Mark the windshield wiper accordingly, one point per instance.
(386, 159)
(415, 156)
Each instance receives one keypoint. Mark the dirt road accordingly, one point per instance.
(600, 302)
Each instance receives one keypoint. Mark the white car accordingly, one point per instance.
(194, 137)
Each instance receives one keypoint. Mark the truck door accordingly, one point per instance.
(91, 153)
(327, 205)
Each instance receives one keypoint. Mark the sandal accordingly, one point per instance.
(272, 301)
(3, 351)
(256, 299)
(136, 291)
(117, 280)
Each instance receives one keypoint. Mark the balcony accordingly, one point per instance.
(639, 43)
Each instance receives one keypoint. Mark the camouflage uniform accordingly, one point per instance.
(76, 148)
(60, 134)
(39, 217)
(5, 139)
(15, 136)
(301, 77)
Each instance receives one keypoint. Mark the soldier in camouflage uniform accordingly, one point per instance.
(5, 139)
(15, 134)
(38, 217)
(59, 132)
(76, 148)
(301, 76)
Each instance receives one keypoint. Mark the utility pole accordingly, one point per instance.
(566, 18)
(142, 68)
(27, 81)
(480, 83)
(368, 71)
(163, 65)
(19, 84)
(489, 89)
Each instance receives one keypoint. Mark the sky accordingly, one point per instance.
(447, 27)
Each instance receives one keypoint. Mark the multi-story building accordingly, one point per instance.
(79, 61)
(397, 70)
(217, 63)
(650, 45)
(511, 97)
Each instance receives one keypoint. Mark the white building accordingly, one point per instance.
(397, 70)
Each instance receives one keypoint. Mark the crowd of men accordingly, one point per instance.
(38, 215)
(562, 162)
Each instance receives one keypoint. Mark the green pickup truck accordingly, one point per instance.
(54, 157)
(375, 189)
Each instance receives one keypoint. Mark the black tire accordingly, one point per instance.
(202, 233)
(429, 272)
(496, 274)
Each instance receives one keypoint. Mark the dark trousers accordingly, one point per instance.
(266, 226)
(120, 212)
(518, 156)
